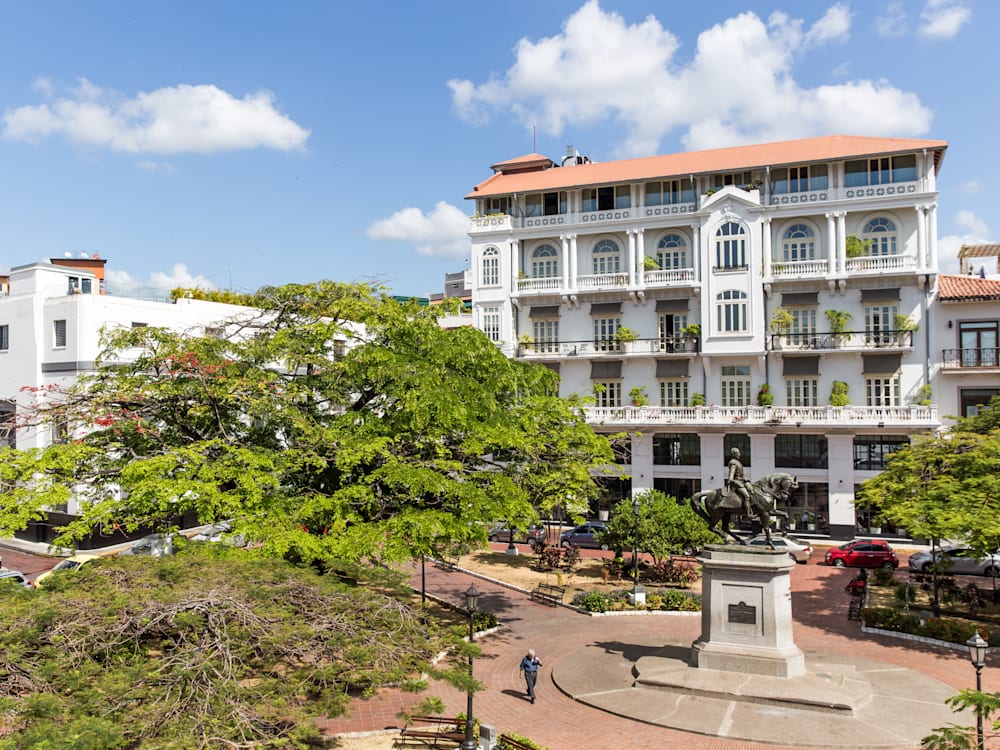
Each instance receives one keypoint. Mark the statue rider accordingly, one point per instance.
(736, 482)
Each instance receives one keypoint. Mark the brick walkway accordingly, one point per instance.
(819, 606)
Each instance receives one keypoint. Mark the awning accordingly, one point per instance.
(880, 363)
(800, 366)
(673, 305)
(605, 370)
(799, 299)
(880, 295)
(548, 311)
(672, 368)
(602, 308)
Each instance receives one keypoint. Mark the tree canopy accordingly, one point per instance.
(666, 527)
(330, 420)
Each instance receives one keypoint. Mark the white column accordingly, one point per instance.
(696, 250)
(766, 227)
(831, 243)
(574, 261)
(631, 257)
(932, 262)
(922, 259)
(640, 251)
(564, 252)
(842, 240)
(515, 262)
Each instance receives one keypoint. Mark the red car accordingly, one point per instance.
(864, 553)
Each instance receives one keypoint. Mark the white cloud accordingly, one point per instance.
(969, 187)
(893, 22)
(971, 230)
(943, 19)
(177, 276)
(202, 119)
(156, 167)
(738, 87)
(442, 232)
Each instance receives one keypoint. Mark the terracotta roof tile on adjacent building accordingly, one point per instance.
(967, 289)
(696, 162)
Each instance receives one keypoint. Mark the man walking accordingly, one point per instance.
(529, 665)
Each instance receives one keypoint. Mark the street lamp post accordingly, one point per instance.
(471, 600)
(977, 655)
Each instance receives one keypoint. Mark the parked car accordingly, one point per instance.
(533, 535)
(154, 545)
(70, 563)
(962, 560)
(798, 550)
(585, 535)
(863, 553)
(15, 577)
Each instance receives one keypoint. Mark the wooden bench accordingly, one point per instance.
(547, 593)
(507, 742)
(431, 730)
(854, 610)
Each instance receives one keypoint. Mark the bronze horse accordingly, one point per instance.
(718, 505)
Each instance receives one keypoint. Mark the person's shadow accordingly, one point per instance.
(516, 694)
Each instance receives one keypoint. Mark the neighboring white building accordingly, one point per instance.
(564, 257)
(51, 317)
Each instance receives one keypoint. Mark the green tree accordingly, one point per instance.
(963, 737)
(666, 527)
(208, 648)
(330, 421)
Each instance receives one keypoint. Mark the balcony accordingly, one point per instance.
(660, 279)
(857, 341)
(910, 417)
(880, 264)
(971, 360)
(547, 350)
(799, 269)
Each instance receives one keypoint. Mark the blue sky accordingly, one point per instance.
(238, 144)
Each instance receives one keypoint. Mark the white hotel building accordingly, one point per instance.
(565, 256)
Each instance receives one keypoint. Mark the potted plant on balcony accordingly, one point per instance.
(924, 395)
(697, 399)
(904, 325)
(764, 395)
(639, 396)
(625, 336)
(691, 334)
(781, 324)
(839, 321)
(838, 394)
(855, 247)
(649, 263)
(526, 342)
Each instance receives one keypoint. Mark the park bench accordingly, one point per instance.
(547, 593)
(854, 610)
(507, 742)
(432, 730)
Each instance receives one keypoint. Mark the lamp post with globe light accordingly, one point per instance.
(471, 602)
(977, 655)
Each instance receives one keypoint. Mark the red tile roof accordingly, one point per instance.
(737, 158)
(967, 289)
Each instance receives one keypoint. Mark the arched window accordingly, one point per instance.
(491, 267)
(545, 262)
(671, 253)
(880, 237)
(607, 258)
(731, 311)
(731, 246)
(798, 243)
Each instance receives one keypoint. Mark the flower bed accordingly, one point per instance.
(663, 600)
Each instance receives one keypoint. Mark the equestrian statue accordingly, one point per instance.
(755, 499)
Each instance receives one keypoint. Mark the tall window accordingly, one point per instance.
(797, 451)
(740, 179)
(544, 204)
(801, 392)
(499, 205)
(8, 431)
(798, 243)
(880, 323)
(671, 253)
(491, 267)
(882, 390)
(979, 341)
(607, 258)
(731, 246)
(606, 198)
(736, 385)
(59, 333)
(546, 335)
(4, 338)
(491, 323)
(798, 179)
(545, 262)
(674, 392)
(669, 192)
(871, 452)
(604, 334)
(741, 443)
(677, 449)
(881, 171)
(879, 236)
(608, 393)
(670, 327)
(731, 310)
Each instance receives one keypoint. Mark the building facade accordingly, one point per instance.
(776, 298)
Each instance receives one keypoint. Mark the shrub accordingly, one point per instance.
(570, 557)
(547, 557)
(484, 621)
(680, 573)
(503, 745)
(890, 619)
(680, 601)
(592, 601)
(904, 594)
(882, 576)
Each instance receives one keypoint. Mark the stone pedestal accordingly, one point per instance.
(746, 617)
